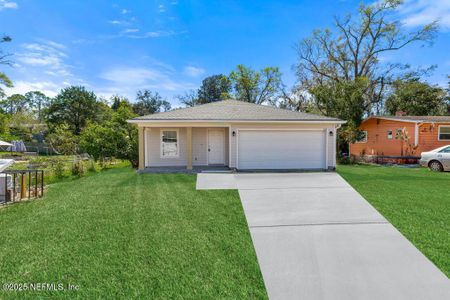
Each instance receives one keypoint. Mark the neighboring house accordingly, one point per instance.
(401, 136)
(239, 135)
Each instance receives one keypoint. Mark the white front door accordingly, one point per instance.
(216, 147)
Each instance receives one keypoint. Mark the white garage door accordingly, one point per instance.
(281, 149)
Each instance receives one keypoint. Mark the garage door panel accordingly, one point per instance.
(280, 149)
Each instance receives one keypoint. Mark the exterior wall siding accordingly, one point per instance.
(199, 143)
(199, 147)
(429, 137)
(378, 143)
(153, 149)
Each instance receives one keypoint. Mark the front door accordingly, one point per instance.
(216, 147)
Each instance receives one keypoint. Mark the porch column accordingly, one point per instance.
(141, 148)
(189, 147)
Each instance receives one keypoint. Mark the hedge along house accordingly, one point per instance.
(395, 138)
(237, 135)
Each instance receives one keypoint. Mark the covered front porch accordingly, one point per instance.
(175, 148)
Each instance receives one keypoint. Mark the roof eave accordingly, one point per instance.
(137, 121)
(391, 119)
(404, 120)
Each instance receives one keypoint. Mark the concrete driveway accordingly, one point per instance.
(316, 238)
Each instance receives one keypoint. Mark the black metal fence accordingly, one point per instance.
(16, 185)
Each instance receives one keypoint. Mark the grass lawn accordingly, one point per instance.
(117, 234)
(416, 201)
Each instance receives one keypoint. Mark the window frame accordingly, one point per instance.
(365, 140)
(391, 135)
(161, 143)
(439, 132)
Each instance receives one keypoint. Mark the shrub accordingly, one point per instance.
(57, 167)
(78, 168)
(91, 166)
(345, 159)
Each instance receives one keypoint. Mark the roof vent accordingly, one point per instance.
(400, 113)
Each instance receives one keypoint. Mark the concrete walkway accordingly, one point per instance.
(316, 238)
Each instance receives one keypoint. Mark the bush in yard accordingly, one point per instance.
(115, 138)
(57, 167)
(91, 166)
(101, 141)
(78, 168)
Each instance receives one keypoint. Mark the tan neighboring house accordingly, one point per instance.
(238, 135)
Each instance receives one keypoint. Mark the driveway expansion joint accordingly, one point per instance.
(321, 224)
(296, 188)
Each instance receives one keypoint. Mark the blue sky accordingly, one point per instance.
(170, 46)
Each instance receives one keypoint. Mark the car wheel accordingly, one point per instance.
(436, 166)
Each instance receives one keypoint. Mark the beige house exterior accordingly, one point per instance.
(238, 135)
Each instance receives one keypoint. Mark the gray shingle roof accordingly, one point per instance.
(233, 110)
(443, 119)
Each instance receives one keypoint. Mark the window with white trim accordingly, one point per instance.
(169, 143)
(389, 134)
(363, 137)
(444, 133)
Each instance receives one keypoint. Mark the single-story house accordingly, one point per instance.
(401, 136)
(238, 135)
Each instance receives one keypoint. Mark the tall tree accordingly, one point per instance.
(352, 50)
(116, 101)
(256, 86)
(15, 103)
(37, 101)
(4, 79)
(416, 98)
(190, 98)
(346, 61)
(214, 88)
(74, 106)
(148, 102)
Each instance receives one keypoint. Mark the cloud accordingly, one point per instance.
(49, 88)
(422, 12)
(124, 11)
(127, 80)
(118, 22)
(157, 34)
(42, 65)
(193, 71)
(48, 56)
(130, 30)
(161, 8)
(8, 5)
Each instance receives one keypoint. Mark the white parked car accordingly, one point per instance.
(437, 159)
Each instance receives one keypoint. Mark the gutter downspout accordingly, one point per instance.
(416, 133)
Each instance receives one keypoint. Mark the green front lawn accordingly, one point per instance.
(117, 234)
(416, 201)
